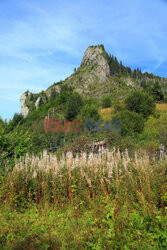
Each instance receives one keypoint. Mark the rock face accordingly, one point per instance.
(38, 102)
(94, 70)
(96, 56)
(24, 108)
(54, 88)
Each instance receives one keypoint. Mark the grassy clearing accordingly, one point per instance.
(106, 113)
(161, 107)
(101, 201)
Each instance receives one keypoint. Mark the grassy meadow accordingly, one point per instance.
(106, 113)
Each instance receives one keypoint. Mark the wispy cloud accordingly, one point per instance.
(42, 41)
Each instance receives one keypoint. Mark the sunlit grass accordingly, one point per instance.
(161, 107)
(106, 113)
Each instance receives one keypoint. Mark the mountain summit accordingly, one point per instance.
(96, 56)
(94, 69)
(98, 74)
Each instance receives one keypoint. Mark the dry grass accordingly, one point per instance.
(106, 113)
(161, 107)
(106, 109)
(81, 178)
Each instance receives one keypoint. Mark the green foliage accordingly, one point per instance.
(119, 106)
(73, 106)
(1, 121)
(140, 103)
(165, 99)
(91, 100)
(90, 112)
(106, 102)
(157, 92)
(115, 140)
(17, 119)
(153, 89)
(53, 94)
(147, 86)
(62, 98)
(2, 140)
(131, 122)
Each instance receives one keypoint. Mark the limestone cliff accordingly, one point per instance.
(24, 108)
(96, 59)
(94, 70)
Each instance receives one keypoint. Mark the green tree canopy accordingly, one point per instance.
(130, 122)
(141, 103)
(90, 112)
(73, 106)
(157, 92)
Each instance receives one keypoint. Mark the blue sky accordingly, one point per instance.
(41, 41)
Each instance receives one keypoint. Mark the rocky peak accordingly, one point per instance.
(93, 72)
(96, 56)
(24, 108)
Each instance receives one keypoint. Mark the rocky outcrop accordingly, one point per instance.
(95, 57)
(55, 88)
(24, 108)
(94, 70)
(39, 102)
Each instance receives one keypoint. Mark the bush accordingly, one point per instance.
(157, 92)
(17, 119)
(53, 95)
(62, 98)
(115, 140)
(106, 102)
(140, 103)
(1, 121)
(91, 100)
(73, 106)
(90, 112)
(165, 99)
(131, 122)
(119, 106)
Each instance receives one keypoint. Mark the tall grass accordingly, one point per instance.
(136, 180)
(97, 201)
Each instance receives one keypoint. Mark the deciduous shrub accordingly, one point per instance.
(140, 103)
(106, 102)
(73, 106)
(90, 112)
(131, 122)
